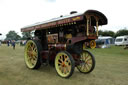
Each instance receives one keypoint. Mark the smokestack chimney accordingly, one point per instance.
(61, 15)
(73, 12)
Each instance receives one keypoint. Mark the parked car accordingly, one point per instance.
(121, 40)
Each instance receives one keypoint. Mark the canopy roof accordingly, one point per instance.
(60, 21)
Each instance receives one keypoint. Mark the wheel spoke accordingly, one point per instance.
(86, 69)
(59, 63)
(64, 70)
(68, 68)
(65, 59)
(89, 59)
(87, 56)
(61, 58)
(33, 62)
(60, 68)
(29, 59)
(34, 53)
(83, 56)
(88, 66)
(28, 53)
(35, 58)
(82, 67)
(89, 62)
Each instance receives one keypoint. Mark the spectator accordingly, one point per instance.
(13, 44)
(8, 43)
(21, 43)
(0, 43)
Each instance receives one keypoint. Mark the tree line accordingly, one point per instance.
(12, 35)
(121, 32)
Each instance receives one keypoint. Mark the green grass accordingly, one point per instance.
(111, 69)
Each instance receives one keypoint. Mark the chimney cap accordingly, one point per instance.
(73, 12)
(61, 15)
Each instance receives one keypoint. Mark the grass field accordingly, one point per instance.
(111, 69)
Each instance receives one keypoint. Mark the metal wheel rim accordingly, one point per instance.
(63, 64)
(31, 54)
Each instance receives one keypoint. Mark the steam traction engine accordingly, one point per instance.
(61, 42)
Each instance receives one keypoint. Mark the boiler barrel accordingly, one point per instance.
(57, 46)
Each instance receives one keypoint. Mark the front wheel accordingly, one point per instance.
(32, 54)
(64, 64)
(86, 62)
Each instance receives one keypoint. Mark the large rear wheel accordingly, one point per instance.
(32, 54)
(86, 63)
(64, 64)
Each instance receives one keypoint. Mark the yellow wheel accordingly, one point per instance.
(86, 63)
(64, 64)
(32, 54)
(92, 44)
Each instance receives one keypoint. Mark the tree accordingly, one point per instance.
(106, 33)
(100, 32)
(0, 34)
(12, 35)
(26, 35)
(121, 32)
(109, 33)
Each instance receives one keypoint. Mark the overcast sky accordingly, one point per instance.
(15, 14)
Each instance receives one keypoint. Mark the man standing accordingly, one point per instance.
(13, 44)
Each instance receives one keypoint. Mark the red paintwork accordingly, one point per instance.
(92, 37)
(76, 39)
(53, 49)
(44, 54)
